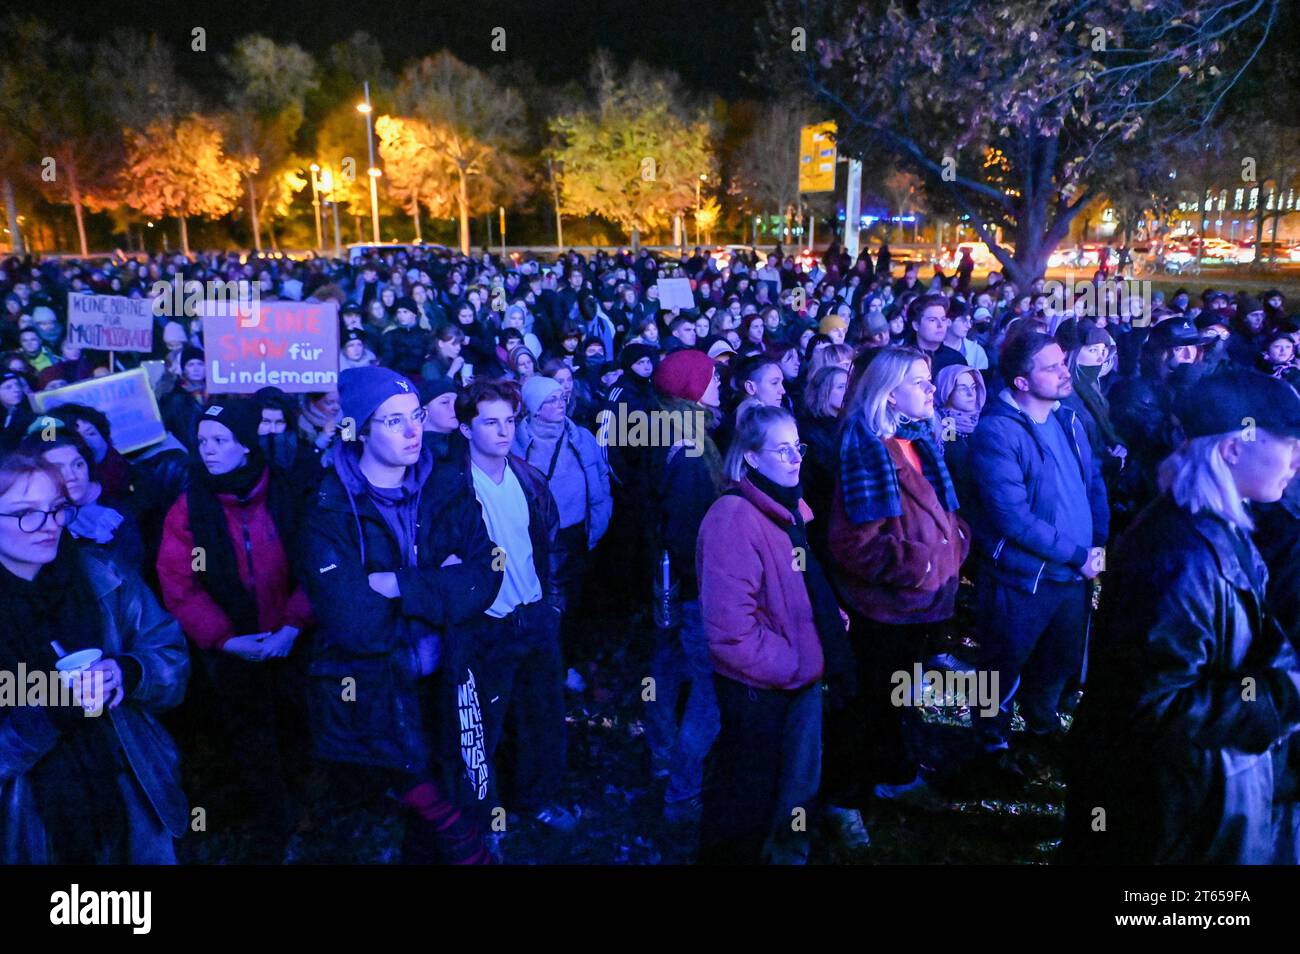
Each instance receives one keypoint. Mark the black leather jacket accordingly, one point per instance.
(1191, 689)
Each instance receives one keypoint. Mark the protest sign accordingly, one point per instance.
(291, 345)
(125, 399)
(675, 293)
(110, 322)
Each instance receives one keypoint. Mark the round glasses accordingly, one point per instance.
(789, 453)
(31, 521)
(397, 423)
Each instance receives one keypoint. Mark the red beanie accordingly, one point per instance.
(685, 373)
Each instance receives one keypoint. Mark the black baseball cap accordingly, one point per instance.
(1229, 400)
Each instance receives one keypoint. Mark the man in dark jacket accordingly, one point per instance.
(516, 664)
(1040, 520)
(394, 564)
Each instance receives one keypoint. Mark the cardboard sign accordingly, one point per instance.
(110, 322)
(675, 293)
(291, 345)
(126, 399)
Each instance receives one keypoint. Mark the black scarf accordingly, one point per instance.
(75, 784)
(208, 526)
(1087, 384)
(840, 662)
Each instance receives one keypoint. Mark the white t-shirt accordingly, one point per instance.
(505, 512)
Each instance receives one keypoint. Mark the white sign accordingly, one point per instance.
(110, 322)
(675, 293)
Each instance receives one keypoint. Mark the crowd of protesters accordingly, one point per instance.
(812, 486)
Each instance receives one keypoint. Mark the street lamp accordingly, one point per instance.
(703, 177)
(327, 187)
(366, 109)
(315, 205)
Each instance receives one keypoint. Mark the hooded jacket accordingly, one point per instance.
(1014, 513)
(373, 640)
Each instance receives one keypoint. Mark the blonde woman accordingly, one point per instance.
(1192, 687)
(898, 545)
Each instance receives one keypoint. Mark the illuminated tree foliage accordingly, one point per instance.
(270, 84)
(636, 154)
(180, 169)
(415, 171)
(475, 123)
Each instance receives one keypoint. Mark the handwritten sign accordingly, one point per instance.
(110, 322)
(291, 345)
(126, 399)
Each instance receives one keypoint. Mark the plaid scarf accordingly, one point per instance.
(869, 479)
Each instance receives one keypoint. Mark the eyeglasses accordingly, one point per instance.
(397, 423)
(31, 521)
(788, 453)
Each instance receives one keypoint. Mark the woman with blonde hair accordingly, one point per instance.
(1193, 688)
(898, 545)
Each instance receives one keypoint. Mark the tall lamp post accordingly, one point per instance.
(315, 206)
(327, 186)
(702, 177)
(373, 172)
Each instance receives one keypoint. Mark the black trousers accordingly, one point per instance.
(259, 713)
(871, 740)
(519, 673)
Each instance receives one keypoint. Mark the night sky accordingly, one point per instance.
(709, 43)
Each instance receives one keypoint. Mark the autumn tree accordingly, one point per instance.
(476, 125)
(417, 173)
(138, 85)
(270, 82)
(52, 108)
(635, 153)
(181, 169)
(1059, 88)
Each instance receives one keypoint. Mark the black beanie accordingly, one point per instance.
(241, 415)
(407, 303)
(430, 388)
(190, 353)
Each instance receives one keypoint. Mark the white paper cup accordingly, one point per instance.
(75, 662)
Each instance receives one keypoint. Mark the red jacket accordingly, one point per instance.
(202, 618)
(901, 569)
(755, 604)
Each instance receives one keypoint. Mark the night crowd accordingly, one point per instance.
(392, 586)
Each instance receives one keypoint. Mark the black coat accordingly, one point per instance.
(403, 350)
(366, 637)
(1191, 693)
